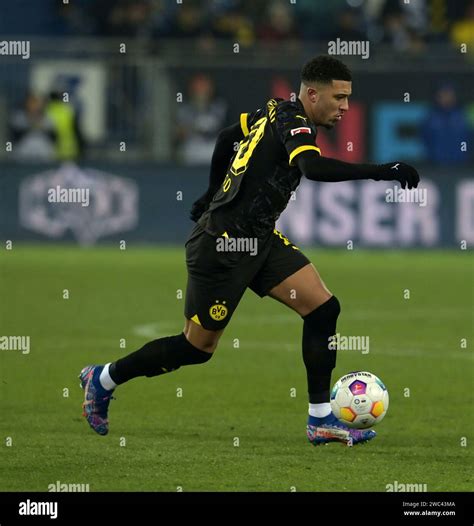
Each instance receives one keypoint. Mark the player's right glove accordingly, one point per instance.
(405, 174)
(201, 205)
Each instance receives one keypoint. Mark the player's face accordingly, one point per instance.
(331, 101)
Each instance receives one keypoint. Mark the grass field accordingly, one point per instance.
(159, 441)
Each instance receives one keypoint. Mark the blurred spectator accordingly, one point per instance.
(233, 23)
(462, 31)
(69, 139)
(163, 14)
(317, 20)
(442, 14)
(200, 118)
(33, 133)
(396, 32)
(278, 24)
(129, 18)
(415, 15)
(73, 18)
(445, 127)
(188, 22)
(405, 26)
(348, 26)
(132, 19)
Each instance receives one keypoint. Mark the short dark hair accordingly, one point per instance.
(324, 69)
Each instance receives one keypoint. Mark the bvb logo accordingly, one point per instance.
(218, 312)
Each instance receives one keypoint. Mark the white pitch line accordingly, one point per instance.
(155, 329)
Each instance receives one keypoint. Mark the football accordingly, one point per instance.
(359, 399)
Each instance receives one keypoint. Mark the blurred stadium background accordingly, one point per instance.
(138, 90)
(125, 98)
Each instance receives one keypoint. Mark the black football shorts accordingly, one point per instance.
(219, 272)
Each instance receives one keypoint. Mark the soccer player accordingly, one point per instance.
(248, 190)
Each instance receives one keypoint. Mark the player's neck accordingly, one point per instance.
(306, 107)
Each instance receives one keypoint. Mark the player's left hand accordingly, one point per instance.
(405, 174)
(200, 206)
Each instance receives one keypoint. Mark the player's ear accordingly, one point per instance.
(312, 94)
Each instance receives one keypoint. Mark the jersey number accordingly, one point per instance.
(246, 149)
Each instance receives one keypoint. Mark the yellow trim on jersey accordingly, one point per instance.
(301, 149)
(243, 123)
(271, 107)
(225, 234)
(285, 240)
(301, 117)
(195, 319)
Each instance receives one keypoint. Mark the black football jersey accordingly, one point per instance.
(262, 174)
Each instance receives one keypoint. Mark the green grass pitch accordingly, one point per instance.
(236, 426)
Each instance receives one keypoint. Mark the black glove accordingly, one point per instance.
(405, 174)
(201, 205)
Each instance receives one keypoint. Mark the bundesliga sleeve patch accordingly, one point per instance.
(302, 129)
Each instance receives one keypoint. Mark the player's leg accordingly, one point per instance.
(213, 292)
(290, 278)
(195, 345)
(201, 332)
(305, 292)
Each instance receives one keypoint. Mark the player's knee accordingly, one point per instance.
(311, 300)
(208, 347)
(325, 314)
(193, 354)
(204, 342)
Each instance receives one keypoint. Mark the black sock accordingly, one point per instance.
(157, 357)
(319, 359)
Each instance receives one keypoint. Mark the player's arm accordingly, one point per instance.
(317, 168)
(223, 153)
(299, 140)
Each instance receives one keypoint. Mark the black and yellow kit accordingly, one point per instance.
(262, 174)
(257, 186)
